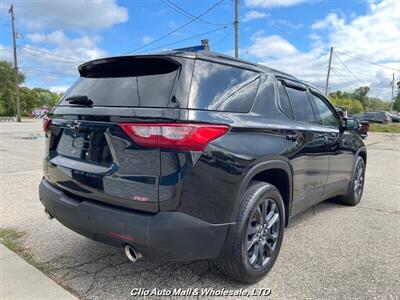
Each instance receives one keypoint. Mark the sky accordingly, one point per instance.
(294, 36)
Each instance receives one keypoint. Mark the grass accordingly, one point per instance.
(12, 239)
(389, 127)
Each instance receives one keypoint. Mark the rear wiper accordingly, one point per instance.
(80, 100)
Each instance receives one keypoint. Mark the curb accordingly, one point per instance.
(20, 280)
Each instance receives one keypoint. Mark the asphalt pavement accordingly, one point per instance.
(329, 252)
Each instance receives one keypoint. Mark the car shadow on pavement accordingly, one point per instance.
(101, 270)
(308, 214)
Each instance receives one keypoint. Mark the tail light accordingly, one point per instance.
(46, 124)
(180, 136)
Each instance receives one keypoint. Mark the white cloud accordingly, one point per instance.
(52, 60)
(147, 39)
(289, 24)
(272, 3)
(56, 36)
(270, 47)
(254, 15)
(81, 48)
(58, 88)
(72, 14)
(374, 37)
(331, 20)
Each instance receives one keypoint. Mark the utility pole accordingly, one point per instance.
(329, 72)
(236, 23)
(392, 99)
(11, 11)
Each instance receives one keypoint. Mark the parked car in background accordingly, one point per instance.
(374, 117)
(185, 156)
(39, 113)
(363, 127)
(395, 118)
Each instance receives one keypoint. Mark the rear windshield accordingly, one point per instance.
(127, 83)
(165, 82)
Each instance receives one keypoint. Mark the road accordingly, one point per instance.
(330, 251)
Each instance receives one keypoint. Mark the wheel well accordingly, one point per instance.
(280, 179)
(364, 156)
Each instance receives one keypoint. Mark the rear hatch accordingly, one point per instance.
(89, 153)
(131, 129)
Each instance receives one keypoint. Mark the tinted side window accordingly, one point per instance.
(221, 87)
(284, 102)
(326, 116)
(301, 105)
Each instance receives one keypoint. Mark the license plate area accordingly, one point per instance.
(88, 145)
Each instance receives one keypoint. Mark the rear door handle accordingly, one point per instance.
(292, 137)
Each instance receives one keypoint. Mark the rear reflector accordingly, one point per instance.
(180, 136)
(121, 236)
(46, 124)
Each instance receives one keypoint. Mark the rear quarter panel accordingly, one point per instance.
(210, 190)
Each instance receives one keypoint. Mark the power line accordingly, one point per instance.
(368, 61)
(48, 72)
(175, 30)
(186, 39)
(343, 79)
(356, 77)
(188, 14)
(349, 76)
(225, 36)
(285, 32)
(52, 53)
(50, 58)
(348, 69)
(45, 67)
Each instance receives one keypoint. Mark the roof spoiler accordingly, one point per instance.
(128, 66)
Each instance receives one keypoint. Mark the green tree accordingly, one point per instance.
(29, 100)
(360, 94)
(352, 106)
(376, 104)
(358, 101)
(7, 88)
(37, 98)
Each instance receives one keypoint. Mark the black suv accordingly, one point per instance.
(183, 156)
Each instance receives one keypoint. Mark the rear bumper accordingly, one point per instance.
(162, 236)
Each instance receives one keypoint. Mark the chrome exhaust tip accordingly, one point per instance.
(131, 253)
(48, 215)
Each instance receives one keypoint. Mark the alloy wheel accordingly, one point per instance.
(263, 233)
(359, 180)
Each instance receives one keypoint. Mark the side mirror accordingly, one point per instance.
(352, 124)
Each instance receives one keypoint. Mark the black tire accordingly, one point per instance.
(238, 264)
(356, 188)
